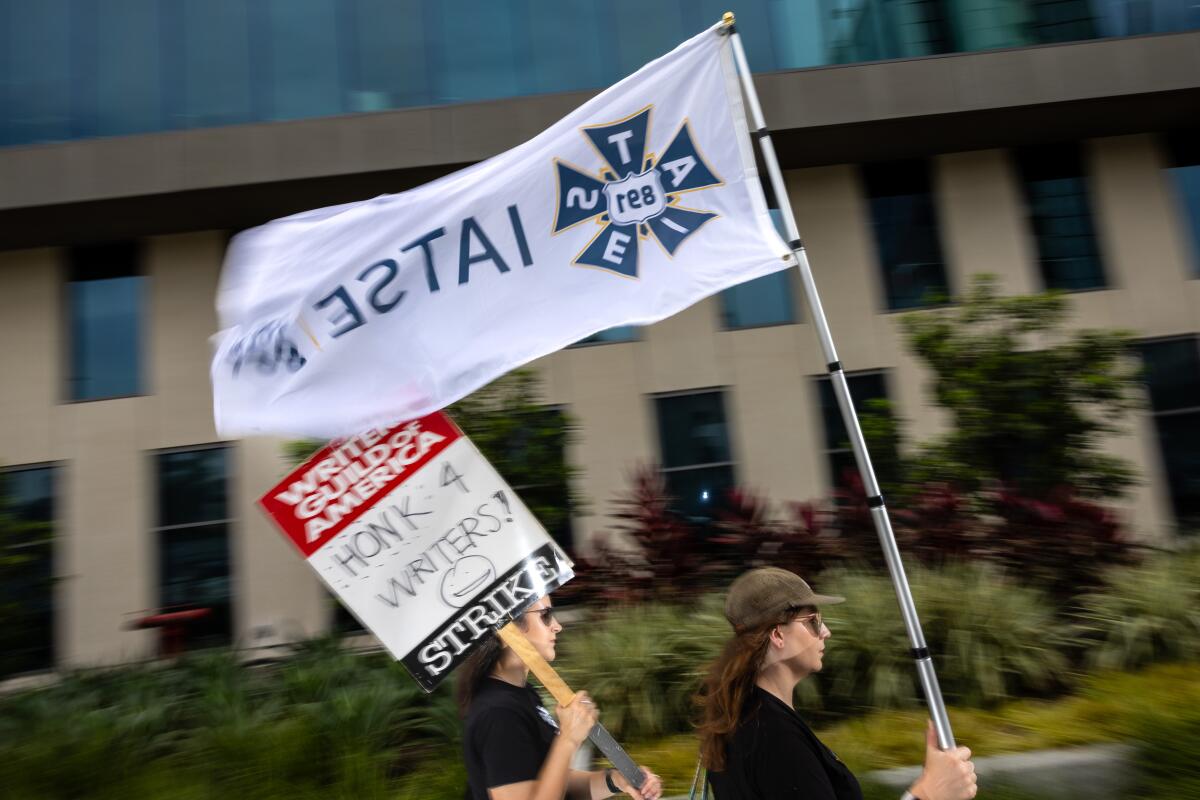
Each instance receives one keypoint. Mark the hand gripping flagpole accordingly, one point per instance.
(841, 390)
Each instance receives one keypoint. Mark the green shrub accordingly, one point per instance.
(643, 663)
(991, 637)
(1167, 752)
(1145, 614)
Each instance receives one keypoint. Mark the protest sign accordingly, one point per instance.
(420, 538)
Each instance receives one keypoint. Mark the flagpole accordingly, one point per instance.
(879, 515)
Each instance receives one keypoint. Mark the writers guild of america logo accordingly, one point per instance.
(636, 195)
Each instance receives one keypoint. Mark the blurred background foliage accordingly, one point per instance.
(1051, 626)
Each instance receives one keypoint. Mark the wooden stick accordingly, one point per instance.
(512, 636)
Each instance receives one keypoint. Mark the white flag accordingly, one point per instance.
(641, 202)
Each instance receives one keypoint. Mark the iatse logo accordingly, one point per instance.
(636, 195)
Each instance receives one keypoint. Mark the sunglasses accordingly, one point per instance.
(546, 614)
(812, 621)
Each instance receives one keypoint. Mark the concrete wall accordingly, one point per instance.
(106, 547)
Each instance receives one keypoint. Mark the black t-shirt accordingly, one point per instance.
(507, 737)
(774, 755)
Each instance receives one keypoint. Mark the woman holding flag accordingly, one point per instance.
(753, 743)
(514, 748)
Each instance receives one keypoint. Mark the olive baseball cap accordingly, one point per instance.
(761, 596)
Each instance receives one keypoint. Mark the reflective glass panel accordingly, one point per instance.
(105, 303)
(128, 67)
(215, 63)
(192, 486)
(305, 74)
(193, 541)
(905, 226)
(194, 574)
(27, 570)
(1187, 189)
(1172, 374)
(762, 301)
(692, 429)
(864, 387)
(37, 59)
(621, 333)
(1056, 193)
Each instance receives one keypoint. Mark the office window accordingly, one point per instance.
(905, 226)
(193, 540)
(1185, 178)
(27, 570)
(864, 388)
(763, 301)
(305, 67)
(1060, 214)
(1173, 382)
(1057, 21)
(696, 457)
(214, 63)
(105, 308)
(621, 333)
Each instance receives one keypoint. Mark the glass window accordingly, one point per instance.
(215, 63)
(303, 45)
(105, 307)
(128, 72)
(865, 387)
(477, 52)
(1056, 196)
(27, 570)
(621, 333)
(1185, 176)
(193, 541)
(36, 56)
(696, 456)
(1172, 374)
(561, 59)
(1062, 21)
(985, 24)
(762, 301)
(391, 50)
(905, 226)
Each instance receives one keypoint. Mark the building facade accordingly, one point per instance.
(1052, 143)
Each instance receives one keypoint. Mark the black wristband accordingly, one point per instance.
(612, 787)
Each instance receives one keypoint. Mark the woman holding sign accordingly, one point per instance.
(514, 748)
(754, 744)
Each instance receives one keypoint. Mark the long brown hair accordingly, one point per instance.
(478, 666)
(728, 687)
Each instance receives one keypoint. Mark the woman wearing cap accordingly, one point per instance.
(514, 749)
(753, 743)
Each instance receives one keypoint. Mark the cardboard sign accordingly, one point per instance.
(420, 538)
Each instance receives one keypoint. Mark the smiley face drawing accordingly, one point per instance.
(469, 575)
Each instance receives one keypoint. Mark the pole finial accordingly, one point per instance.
(727, 19)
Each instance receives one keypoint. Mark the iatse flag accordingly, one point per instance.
(636, 205)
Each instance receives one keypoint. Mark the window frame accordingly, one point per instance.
(722, 393)
(55, 469)
(883, 271)
(1034, 159)
(142, 352)
(158, 531)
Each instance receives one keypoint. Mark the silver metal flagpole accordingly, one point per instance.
(841, 390)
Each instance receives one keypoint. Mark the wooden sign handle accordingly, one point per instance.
(511, 635)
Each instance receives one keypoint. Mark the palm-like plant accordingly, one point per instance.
(1145, 614)
(991, 638)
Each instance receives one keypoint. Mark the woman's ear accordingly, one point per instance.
(776, 637)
